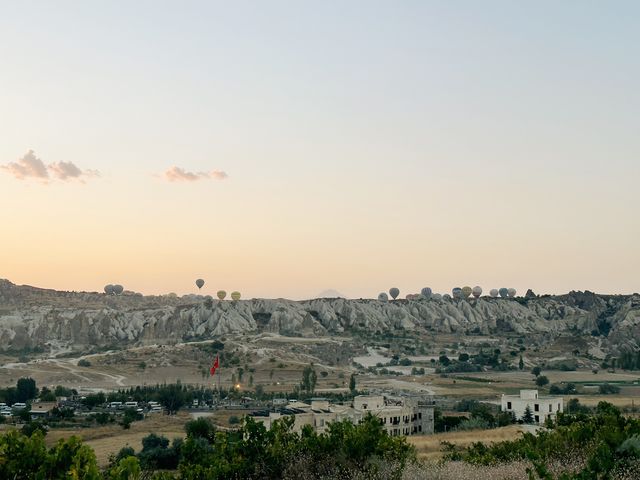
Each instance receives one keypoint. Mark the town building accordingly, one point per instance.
(405, 415)
(541, 407)
(42, 409)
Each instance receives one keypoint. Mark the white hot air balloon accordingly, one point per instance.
(477, 291)
(494, 292)
(511, 292)
(383, 297)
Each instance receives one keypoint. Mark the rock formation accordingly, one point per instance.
(31, 317)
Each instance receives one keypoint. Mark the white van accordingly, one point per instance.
(131, 404)
(115, 405)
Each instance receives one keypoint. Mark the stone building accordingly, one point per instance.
(403, 415)
(542, 407)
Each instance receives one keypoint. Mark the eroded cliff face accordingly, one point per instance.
(32, 317)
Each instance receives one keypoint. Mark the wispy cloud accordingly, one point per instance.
(30, 166)
(177, 174)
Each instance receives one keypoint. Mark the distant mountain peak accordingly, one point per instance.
(330, 293)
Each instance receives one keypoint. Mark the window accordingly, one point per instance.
(536, 407)
(420, 415)
(508, 405)
(537, 419)
(550, 408)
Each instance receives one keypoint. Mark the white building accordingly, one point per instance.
(399, 416)
(542, 407)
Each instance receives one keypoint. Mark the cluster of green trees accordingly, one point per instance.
(482, 416)
(26, 457)
(476, 363)
(599, 443)
(252, 452)
(24, 391)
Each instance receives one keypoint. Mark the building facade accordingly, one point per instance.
(541, 407)
(400, 416)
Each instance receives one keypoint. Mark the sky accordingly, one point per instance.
(284, 148)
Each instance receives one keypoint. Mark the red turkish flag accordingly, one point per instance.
(216, 364)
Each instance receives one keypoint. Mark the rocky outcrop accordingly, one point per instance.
(32, 317)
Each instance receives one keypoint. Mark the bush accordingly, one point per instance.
(84, 363)
(542, 380)
(607, 388)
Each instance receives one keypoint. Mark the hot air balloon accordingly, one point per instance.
(466, 291)
(477, 291)
(457, 292)
(426, 292)
(235, 296)
(199, 283)
(221, 294)
(494, 292)
(118, 289)
(511, 292)
(446, 297)
(108, 289)
(394, 292)
(383, 297)
(504, 292)
(410, 296)
(437, 296)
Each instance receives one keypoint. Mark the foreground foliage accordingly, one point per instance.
(346, 451)
(599, 446)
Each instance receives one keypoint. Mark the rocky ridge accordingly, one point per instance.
(31, 317)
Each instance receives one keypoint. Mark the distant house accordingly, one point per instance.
(542, 407)
(42, 409)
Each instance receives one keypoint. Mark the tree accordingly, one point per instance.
(541, 381)
(309, 379)
(521, 363)
(47, 395)
(536, 370)
(352, 383)
(201, 428)
(528, 416)
(444, 360)
(463, 357)
(172, 397)
(26, 389)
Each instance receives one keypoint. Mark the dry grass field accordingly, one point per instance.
(110, 439)
(429, 446)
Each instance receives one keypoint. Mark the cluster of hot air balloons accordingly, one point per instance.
(221, 294)
(457, 293)
(503, 292)
(113, 289)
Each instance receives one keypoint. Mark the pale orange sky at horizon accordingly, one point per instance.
(351, 147)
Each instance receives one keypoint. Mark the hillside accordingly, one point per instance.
(32, 317)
